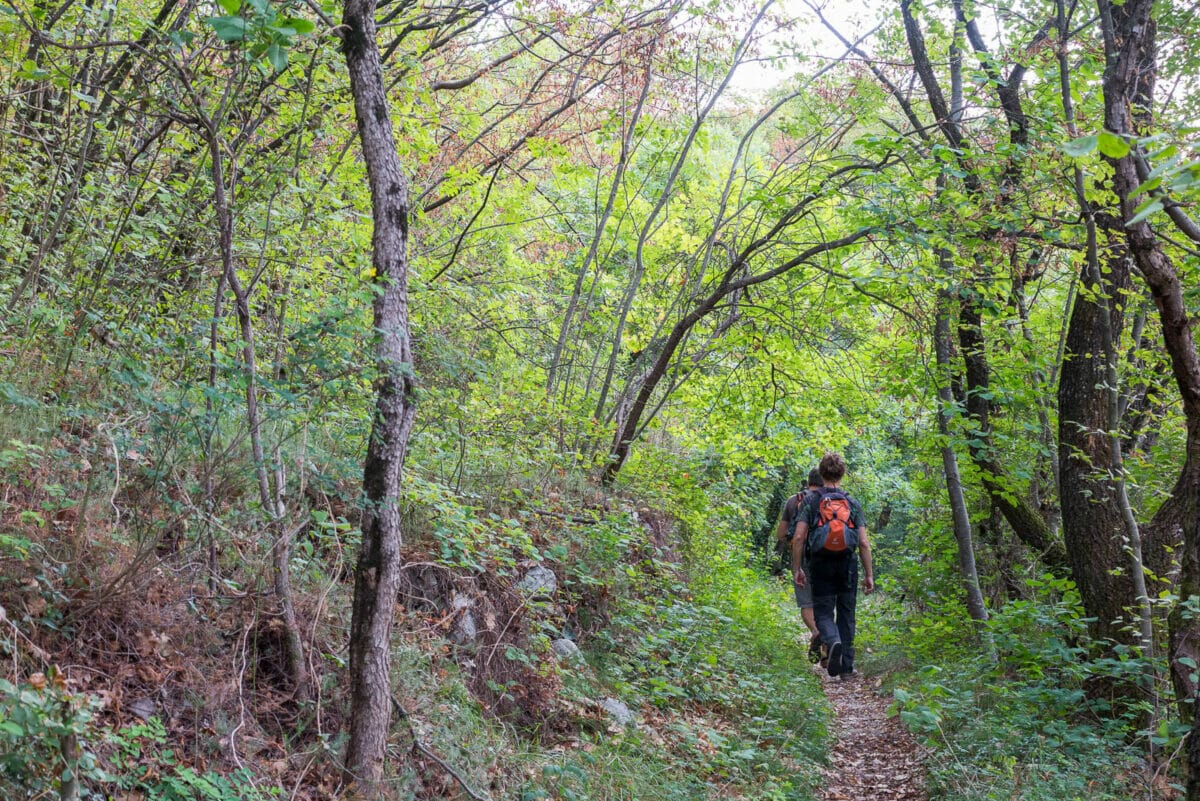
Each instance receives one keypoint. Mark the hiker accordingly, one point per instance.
(830, 529)
(783, 535)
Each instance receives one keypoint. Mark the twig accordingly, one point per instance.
(334, 28)
(241, 675)
(424, 749)
(1167, 764)
(569, 518)
(112, 500)
(503, 631)
(438, 565)
(312, 760)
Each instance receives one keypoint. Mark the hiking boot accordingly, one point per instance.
(835, 659)
(814, 649)
(846, 676)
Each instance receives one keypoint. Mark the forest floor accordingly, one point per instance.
(874, 757)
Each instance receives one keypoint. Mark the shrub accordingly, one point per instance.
(43, 729)
(1012, 721)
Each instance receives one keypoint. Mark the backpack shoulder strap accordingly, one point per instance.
(836, 492)
(804, 497)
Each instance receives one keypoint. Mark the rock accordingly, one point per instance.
(539, 582)
(144, 708)
(567, 650)
(465, 630)
(621, 714)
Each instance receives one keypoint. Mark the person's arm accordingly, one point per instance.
(783, 537)
(864, 552)
(798, 542)
(781, 531)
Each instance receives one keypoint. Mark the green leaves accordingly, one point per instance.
(1171, 175)
(301, 26)
(1145, 209)
(278, 57)
(228, 29)
(1078, 148)
(266, 34)
(1109, 144)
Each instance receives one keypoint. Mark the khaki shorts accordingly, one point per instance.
(804, 596)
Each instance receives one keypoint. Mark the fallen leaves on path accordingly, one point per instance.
(874, 757)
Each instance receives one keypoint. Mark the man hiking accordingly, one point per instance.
(831, 529)
(783, 535)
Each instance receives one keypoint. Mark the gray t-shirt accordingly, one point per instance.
(792, 507)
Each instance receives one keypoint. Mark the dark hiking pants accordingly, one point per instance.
(835, 595)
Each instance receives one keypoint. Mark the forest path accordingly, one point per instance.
(874, 756)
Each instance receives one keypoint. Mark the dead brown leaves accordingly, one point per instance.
(875, 758)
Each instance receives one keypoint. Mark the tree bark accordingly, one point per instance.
(1026, 521)
(271, 498)
(1098, 524)
(976, 607)
(1130, 68)
(1092, 521)
(377, 574)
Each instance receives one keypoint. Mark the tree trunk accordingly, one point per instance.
(1098, 523)
(954, 489)
(1130, 69)
(377, 575)
(270, 499)
(1026, 521)
(1092, 521)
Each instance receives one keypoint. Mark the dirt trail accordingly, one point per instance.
(877, 757)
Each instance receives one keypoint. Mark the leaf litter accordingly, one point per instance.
(874, 757)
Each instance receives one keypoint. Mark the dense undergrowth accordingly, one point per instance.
(143, 649)
(144, 652)
(1017, 708)
(134, 673)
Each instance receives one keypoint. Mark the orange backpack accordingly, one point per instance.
(835, 533)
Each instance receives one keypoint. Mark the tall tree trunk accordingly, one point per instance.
(1045, 482)
(1130, 70)
(1092, 520)
(1026, 521)
(377, 575)
(270, 498)
(1098, 524)
(954, 489)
